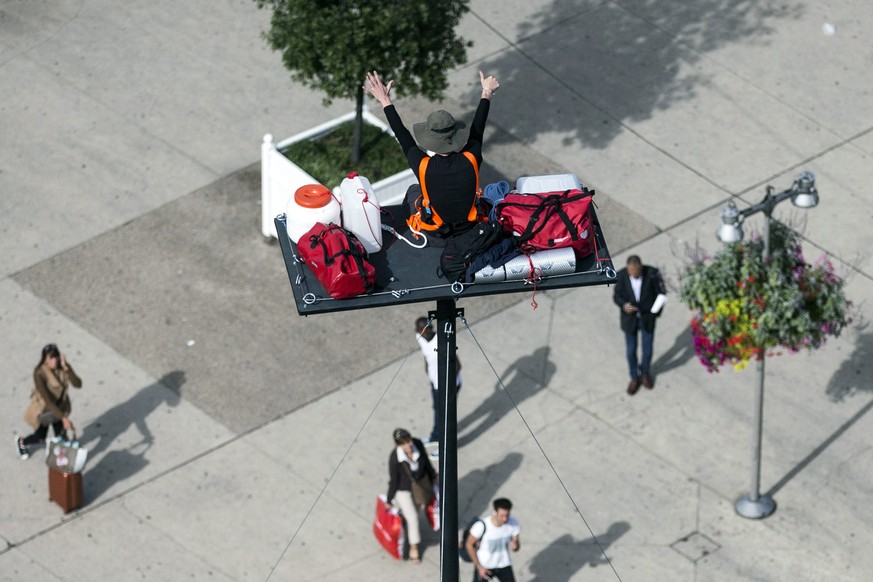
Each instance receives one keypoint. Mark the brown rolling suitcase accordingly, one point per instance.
(65, 489)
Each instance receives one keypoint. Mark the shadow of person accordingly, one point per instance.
(679, 353)
(110, 425)
(117, 465)
(477, 488)
(113, 467)
(853, 375)
(564, 557)
(521, 380)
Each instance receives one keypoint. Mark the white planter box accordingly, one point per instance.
(280, 177)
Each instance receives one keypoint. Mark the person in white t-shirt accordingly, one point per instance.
(427, 341)
(490, 541)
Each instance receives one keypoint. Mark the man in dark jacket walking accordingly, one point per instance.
(636, 292)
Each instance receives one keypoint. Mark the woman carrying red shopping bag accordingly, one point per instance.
(411, 484)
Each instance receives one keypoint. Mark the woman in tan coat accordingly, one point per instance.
(49, 401)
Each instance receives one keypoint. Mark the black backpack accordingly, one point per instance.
(462, 545)
(462, 249)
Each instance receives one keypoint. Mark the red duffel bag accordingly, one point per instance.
(338, 260)
(549, 220)
(388, 528)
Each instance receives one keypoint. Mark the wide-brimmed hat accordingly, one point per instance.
(441, 133)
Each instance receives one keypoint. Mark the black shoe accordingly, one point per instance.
(21, 448)
(648, 381)
(633, 386)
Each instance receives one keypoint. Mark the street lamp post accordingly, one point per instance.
(803, 195)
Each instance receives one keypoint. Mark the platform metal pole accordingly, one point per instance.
(446, 316)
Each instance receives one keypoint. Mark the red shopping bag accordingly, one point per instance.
(388, 528)
(432, 511)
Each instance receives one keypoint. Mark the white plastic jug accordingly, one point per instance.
(310, 204)
(361, 211)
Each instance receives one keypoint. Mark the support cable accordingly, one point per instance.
(340, 464)
(545, 456)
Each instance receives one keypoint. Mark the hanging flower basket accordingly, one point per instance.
(744, 309)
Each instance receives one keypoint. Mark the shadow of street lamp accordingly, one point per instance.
(803, 195)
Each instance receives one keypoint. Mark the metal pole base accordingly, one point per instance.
(758, 509)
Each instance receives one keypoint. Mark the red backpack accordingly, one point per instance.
(549, 220)
(338, 260)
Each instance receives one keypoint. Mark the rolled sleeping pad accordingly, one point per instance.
(546, 264)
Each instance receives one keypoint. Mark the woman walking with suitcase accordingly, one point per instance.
(50, 401)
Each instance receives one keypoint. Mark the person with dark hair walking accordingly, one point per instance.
(637, 289)
(490, 540)
(411, 481)
(49, 401)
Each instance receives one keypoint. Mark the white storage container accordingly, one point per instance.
(310, 204)
(361, 211)
(549, 183)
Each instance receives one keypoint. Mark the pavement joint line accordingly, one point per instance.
(794, 167)
(625, 435)
(54, 34)
(145, 131)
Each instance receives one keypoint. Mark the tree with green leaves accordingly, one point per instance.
(329, 45)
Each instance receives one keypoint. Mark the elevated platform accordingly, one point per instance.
(408, 275)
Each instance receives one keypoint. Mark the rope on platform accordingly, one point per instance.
(340, 464)
(545, 456)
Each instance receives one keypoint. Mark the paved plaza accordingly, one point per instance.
(230, 439)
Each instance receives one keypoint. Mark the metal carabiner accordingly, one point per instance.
(309, 298)
(457, 287)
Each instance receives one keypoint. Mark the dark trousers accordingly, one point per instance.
(635, 366)
(435, 433)
(40, 433)
(502, 574)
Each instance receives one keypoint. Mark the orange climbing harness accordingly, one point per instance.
(418, 223)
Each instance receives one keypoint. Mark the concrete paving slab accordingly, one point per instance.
(129, 547)
(82, 190)
(17, 566)
(824, 77)
(753, 550)
(676, 102)
(518, 20)
(234, 508)
(706, 26)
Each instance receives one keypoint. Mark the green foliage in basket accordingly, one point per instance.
(744, 308)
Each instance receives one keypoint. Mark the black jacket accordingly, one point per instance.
(399, 474)
(623, 293)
